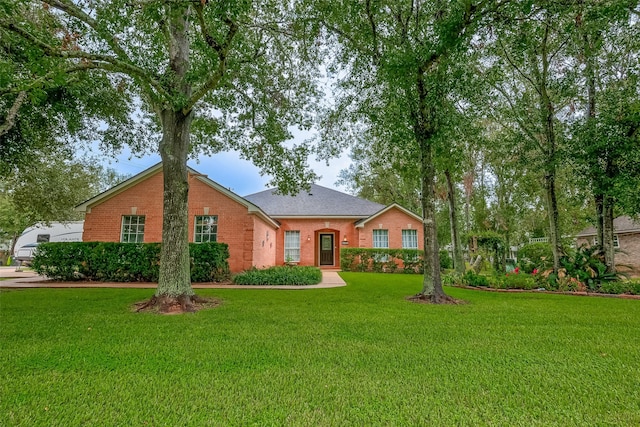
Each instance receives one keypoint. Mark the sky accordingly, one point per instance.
(229, 170)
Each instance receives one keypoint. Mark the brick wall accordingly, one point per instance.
(310, 229)
(264, 243)
(394, 220)
(235, 225)
(627, 256)
(104, 221)
(253, 242)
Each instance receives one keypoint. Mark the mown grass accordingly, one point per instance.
(359, 355)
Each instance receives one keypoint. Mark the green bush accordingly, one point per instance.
(618, 287)
(381, 260)
(519, 281)
(451, 279)
(445, 260)
(281, 275)
(587, 266)
(124, 262)
(535, 256)
(209, 262)
(634, 286)
(472, 279)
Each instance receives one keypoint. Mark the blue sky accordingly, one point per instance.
(229, 170)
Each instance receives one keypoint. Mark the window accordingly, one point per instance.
(43, 238)
(132, 229)
(616, 241)
(206, 229)
(381, 240)
(409, 239)
(292, 246)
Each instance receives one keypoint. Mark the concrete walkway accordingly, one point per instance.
(11, 279)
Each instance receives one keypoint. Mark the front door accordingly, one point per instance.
(326, 249)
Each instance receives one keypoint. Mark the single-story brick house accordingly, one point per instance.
(262, 229)
(626, 241)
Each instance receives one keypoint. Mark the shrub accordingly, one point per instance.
(209, 262)
(535, 256)
(381, 260)
(618, 287)
(445, 260)
(587, 266)
(472, 279)
(281, 275)
(124, 262)
(451, 279)
(634, 287)
(519, 281)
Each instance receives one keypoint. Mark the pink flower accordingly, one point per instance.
(535, 271)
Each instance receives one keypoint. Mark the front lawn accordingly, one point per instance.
(357, 355)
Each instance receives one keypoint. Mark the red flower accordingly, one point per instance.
(535, 271)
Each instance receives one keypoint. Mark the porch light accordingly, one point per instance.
(308, 237)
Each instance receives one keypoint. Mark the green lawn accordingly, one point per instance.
(359, 355)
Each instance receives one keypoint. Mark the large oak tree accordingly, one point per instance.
(200, 76)
(396, 61)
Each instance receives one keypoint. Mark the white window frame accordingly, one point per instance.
(380, 239)
(205, 232)
(410, 239)
(616, 241)
(132, 231)
(292, 246)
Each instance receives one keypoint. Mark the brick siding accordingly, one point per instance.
(253, 241)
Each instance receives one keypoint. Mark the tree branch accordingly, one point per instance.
(515, 67)
(374, 31)
(99, 61)
(518, 120)
(222, 49)
(10, 120)
(72, 10)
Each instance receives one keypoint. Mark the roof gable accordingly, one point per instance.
(317, 202)
(362, 222)
(157, 168)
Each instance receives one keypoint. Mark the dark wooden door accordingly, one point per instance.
(326, 249)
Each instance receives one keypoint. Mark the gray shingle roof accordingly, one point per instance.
(622, 224)
(319, 201)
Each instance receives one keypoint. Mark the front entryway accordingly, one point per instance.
(326, 249)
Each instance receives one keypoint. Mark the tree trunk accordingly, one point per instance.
(175, 276)
(432, 282)
(552, 206)
(547, 115)
(607, 231)
(423, 130)
(458, 259)
(599, 202)
(174, 284)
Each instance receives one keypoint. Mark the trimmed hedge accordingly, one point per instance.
(281, 275)
(124, 262)
(382, 260)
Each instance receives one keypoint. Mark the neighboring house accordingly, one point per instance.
(626, 241)
(262, 229)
